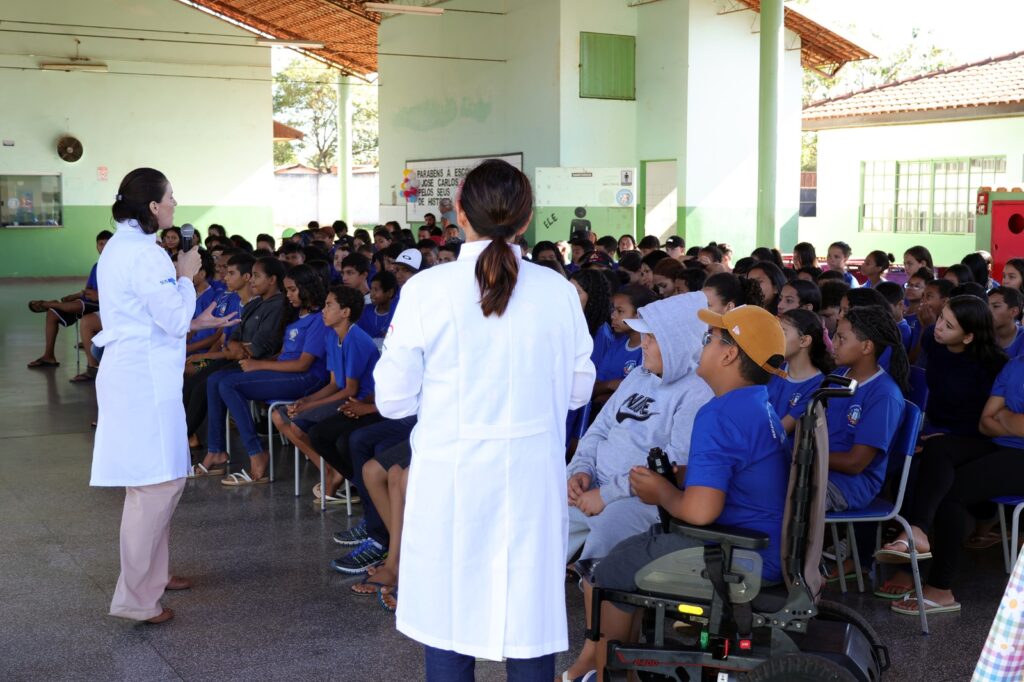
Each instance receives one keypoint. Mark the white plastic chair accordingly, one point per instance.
(1010, 545)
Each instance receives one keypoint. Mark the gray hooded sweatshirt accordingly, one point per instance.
(646, 410)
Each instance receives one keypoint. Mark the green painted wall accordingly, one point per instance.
(552, 223)
(841, 151)
(199, 113)
(71, 250)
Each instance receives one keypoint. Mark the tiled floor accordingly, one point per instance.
(265, 605)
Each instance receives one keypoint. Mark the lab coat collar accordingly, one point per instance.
(472, 250)
(130, 224)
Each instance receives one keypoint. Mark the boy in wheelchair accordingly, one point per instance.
(737, 478)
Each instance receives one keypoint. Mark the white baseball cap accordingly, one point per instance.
(411, 258)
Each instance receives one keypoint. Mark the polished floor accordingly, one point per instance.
(265, 605)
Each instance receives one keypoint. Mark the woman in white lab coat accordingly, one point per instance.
(141, 441)
(491, 367)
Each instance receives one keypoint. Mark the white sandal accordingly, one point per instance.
(894, 556)
(242, 478)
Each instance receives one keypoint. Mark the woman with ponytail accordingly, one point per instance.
(487, 479)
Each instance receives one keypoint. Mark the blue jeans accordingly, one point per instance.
(448, 666)
(233, 389)
(364, 445)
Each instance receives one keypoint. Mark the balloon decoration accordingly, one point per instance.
(410, 185)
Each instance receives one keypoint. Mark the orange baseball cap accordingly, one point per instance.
(756, 331)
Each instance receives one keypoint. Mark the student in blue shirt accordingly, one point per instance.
(893, 295)
(838, 254)
(807, 363)
(1006, 305)
(351, 357)
(206, 294)
(622, 353)
(738, 470)
(299, 369)
(376, 318)
(860, 428)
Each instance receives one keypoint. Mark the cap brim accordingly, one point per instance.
(711, 318)
(638, 324)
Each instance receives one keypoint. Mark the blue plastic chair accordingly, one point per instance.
(576, 423)
(903, 444)
(1010, 546)
(918, 387)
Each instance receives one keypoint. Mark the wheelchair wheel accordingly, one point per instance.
(840, 613)
(799, 668)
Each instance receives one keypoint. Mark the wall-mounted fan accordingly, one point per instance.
(69, 148)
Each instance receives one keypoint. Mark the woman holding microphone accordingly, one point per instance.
(141, 441)
(491, 370)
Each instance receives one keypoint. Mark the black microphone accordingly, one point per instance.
(188, 233)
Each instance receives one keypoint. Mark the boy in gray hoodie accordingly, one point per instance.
(654, 406)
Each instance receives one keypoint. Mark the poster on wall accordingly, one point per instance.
(437, 180)
(571, 200)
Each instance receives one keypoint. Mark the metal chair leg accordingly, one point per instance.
(297, 455)
(1016, 533)
(916, 570)
(840, 558)
(348, 498)
(851, 541)
(1005, 539)
(323, 485)
(270, 443)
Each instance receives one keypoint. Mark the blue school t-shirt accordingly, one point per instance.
(915, 329)
(353, 357)
(870, 417)
(1015, 348)
(92, 283)
(906, 334)
(617, 359)
(307, 335)
(220, 285)
(202, 301)
(790, 396)
(228, 303)
(1009, 386)
(738, 446)
(375, 324)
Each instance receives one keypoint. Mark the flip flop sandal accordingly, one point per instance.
(382, 597)
(881, 594)
(199, 471)
(370, 587)
(903, 607)
(40, 363)
(242, 478)
(88, 375)
(983, 541)
(894, 556)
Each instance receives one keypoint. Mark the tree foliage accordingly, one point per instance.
(306, 98)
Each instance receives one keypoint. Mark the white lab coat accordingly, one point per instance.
(483, 545)
(140, 433)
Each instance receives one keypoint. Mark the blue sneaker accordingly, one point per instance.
(352, 536)
(367, 554)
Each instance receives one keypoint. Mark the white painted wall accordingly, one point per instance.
(841, 151)
(301, 197)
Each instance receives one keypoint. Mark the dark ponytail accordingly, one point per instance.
(137, 190)
(874, 323)
(882, 259)
(498, 201)
(808, 323)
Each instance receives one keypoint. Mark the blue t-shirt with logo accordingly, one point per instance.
(738, 446)
(202, 301)
(791, 396)
(307, 335)
(92, 283)
(375, 324)
(906, 334)
(870, 417)
(1009, 386)
(617, 359)
(353, 357)
(915, 330)
(1015, 348)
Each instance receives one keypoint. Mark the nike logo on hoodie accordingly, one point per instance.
(636, 407)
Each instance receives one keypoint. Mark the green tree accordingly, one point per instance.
(306, 98)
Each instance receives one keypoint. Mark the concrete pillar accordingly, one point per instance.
(768, 118)
(344, 145)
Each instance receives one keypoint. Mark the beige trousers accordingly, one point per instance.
(145, 531)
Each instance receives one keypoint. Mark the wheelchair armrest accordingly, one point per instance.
(731, 535)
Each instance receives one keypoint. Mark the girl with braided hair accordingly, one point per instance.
(861, 427)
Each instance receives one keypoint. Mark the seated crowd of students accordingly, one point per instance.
(673, 370)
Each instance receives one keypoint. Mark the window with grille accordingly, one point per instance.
(925, 196)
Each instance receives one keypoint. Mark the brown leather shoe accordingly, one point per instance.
(164, 616)
(176, 583)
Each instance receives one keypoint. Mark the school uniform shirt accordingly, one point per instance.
(209, 295)
(851, 280)
(906, 334)
(1015, 348)
(220, 285)
(617, 359)
(353, 357)
(229, 303)
(376, 324)
(307, 335)
(1009, 386)
(870, 417)
(958, 388)
(486, 522)
(790, 397)
(915, 330)
(91, 283)
(140, 433)
(738, 446)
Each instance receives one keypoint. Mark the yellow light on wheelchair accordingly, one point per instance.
(691, 610)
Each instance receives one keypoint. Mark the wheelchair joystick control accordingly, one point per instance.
(657, 461)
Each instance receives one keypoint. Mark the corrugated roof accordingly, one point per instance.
(993, 82)
(822, 50)
(348, 32)
(283, 132)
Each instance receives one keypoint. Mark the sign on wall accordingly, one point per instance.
(610, 187)
(439, 180)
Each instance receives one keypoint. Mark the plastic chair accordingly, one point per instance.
(918, 387)
(903, 444)
(576, 422)
(1010, 545)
